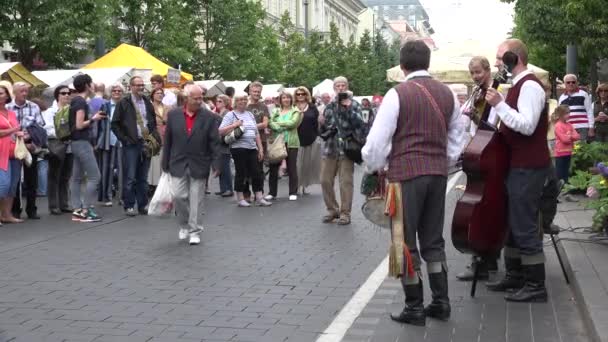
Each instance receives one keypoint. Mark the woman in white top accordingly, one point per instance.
(60, 161)
(246, 151)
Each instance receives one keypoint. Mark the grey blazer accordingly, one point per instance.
(198, 152)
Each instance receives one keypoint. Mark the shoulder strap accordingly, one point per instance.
(433, 102)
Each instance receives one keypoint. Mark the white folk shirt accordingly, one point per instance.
(379, 140)
(530, 103)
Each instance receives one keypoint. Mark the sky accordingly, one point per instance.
(457, 20)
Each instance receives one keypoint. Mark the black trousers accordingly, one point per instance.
(423, 215)
(247, 167)
(27, 189)
(292, 170)
(247, 191)
(525, 188)
(60, 171)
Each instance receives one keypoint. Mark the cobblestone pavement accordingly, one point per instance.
(487, 317)
(260, 274)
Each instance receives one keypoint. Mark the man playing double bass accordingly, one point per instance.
(417, 132)
(523, 115)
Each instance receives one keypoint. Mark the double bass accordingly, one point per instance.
(479, 225)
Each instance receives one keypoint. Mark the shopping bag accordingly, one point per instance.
(21, 151)
(277, 151)
(162, 201)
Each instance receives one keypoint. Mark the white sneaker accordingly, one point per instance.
(195, 239)
(183, 234)
(269, 197)
(263, 203)
(243, 203)
(293, 197)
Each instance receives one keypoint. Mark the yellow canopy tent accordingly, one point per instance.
(450, 64)
(16, 72)
(126, 55)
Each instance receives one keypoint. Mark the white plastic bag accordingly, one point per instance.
(162, 201)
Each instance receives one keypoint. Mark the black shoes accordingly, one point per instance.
(413, 313)
(513, 279)
(440, 306)
(534, 288)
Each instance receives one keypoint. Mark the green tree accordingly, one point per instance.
(165, 28)
(59, 32)
(297, 62)
(235, 42)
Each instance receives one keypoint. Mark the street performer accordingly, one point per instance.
(524, 123)
(417, 133)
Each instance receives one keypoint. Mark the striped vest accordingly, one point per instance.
(578, 112)
(420, 140)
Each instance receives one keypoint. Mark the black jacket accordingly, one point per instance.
(198, 152)
(124, 121)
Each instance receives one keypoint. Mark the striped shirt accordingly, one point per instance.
(581, 108)
(249, 127)
(27, 114)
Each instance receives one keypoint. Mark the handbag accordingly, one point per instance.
(151, 143)
(352, 149)
(235, 135)
(57, 148)
(277, 151)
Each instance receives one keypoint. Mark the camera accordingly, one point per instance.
(342, 96)
(330, 132)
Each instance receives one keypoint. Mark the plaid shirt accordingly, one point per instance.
(348, 122)
(27, 114)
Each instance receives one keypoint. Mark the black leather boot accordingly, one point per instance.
(534, 288)
(413, 313)
(513, 279)
(440, 306)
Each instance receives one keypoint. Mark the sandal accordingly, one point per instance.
(329, 218)
(343, 221)
(11, 220)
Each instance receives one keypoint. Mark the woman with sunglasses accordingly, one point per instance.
(309, 154)
(221, 108)
(285, 121)
(247, 150)
(600, 112)
(60, 160)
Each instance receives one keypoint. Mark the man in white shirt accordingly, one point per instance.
(524, 124)
(581, 107)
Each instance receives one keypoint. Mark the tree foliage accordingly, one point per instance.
(56, 31)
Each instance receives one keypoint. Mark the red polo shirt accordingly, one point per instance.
(189, 121)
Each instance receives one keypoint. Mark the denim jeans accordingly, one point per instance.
(5, 181)
(108, 160)
(135, 177)
(84, 165)
(43, 169)
(226, 173)
(562, 167)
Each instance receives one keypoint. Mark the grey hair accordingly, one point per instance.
(20, 84)
(571, 76)
(116, 85)
(341, 79)
(239, 95)
(190, 87)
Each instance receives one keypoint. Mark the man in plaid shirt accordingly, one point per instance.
(28, 113)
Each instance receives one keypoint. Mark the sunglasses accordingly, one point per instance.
(571, 82)
(64, 93)
(300, 94)
(603, 91)
(117, 91)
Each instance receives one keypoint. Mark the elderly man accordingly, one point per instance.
(261, 113)
(341, 120)
(188, 158)
(133, 118)
(581, 107)
(28, 113)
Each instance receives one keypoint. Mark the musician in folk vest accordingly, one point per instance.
(481, 73)
(523, 114)
(417, 133)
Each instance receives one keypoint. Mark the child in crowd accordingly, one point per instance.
(565, 137)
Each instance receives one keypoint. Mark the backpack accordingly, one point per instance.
(62, 124)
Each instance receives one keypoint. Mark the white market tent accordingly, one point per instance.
(237, 85)
(450, 63)
(213, 87)
(271, 90)
(291, 91)
(360, 98)
(58, 77)
(327, 86)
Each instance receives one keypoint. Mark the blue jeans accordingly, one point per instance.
(135, 177)
(226, 173)
(5, 182)
(84, 164)
(562, 167)
(43, 169)
(15, 166)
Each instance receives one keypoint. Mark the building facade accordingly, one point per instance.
(370, 21)
(344, 13)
